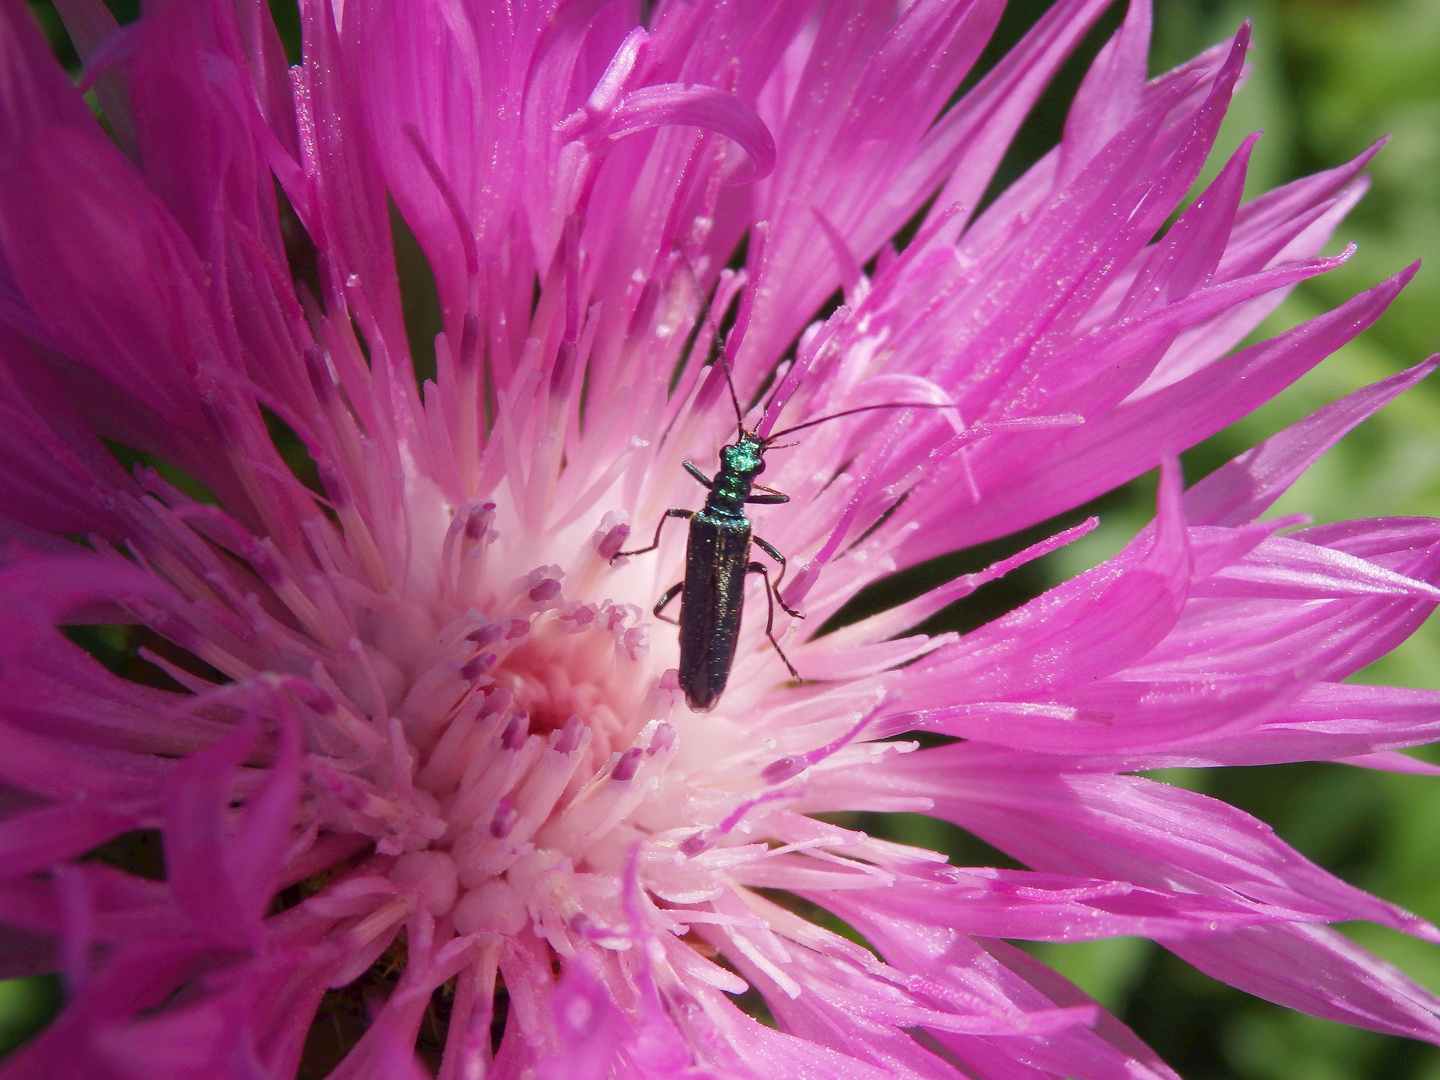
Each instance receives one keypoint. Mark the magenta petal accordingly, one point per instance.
(1044, 907)
(1089, 627)
(1137, 830)
(1242, 490)
(73, 1044)
(38, 839)
(1102, 1049)
(971, 138)
(195, 839)
(698, 106)
(1341, 982)
(1390, 761)
(1119, 718)
(197, 1043)
(224, 883)
(589, 1026)
(1331, 721)
(1103, 452)
(137, 346)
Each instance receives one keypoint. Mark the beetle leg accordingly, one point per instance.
(669, 595)
(770, 597)
(671, 513)
(770, 498)
(697, 474)
(774, 553)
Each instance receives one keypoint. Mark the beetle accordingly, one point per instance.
(717, 559)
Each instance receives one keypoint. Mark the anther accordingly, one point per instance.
(627, 766)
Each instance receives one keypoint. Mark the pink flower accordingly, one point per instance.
(395, 706)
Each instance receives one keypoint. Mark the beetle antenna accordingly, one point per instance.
(852, 412)
(730, 384)
(707, 315)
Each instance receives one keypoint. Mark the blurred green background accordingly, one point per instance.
(1328, 77)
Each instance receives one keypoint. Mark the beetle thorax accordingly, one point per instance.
(740, 463)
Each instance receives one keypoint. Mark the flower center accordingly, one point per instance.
(523, 734)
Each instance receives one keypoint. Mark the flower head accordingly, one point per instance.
(391, 687)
